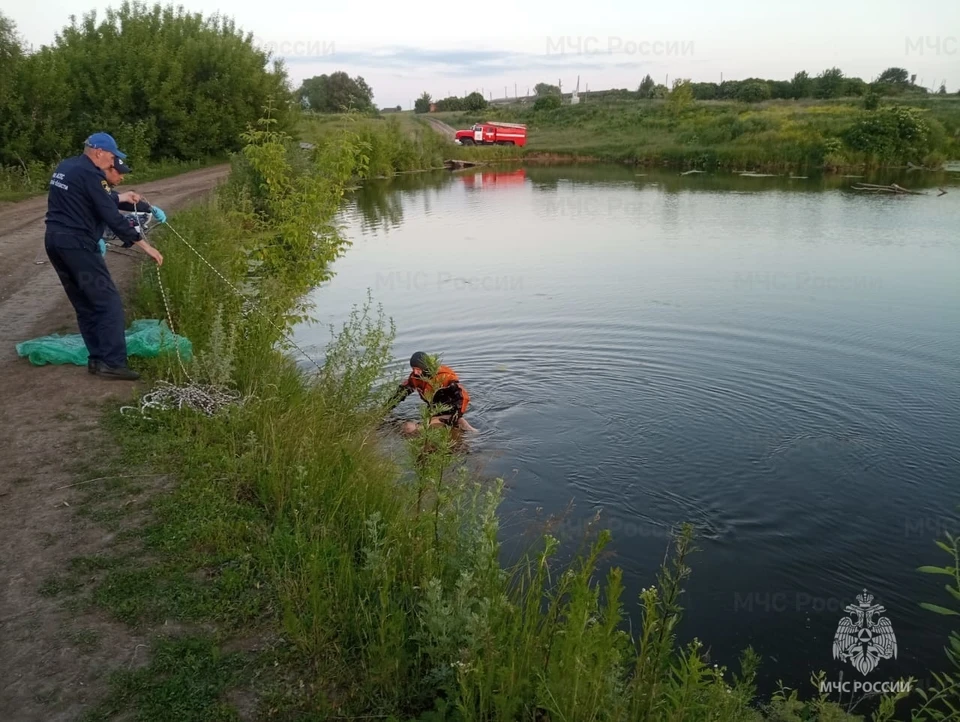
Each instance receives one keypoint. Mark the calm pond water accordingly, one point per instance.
(772, 359)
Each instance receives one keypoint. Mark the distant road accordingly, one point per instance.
(440, 127)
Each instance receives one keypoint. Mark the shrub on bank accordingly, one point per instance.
(890, 133)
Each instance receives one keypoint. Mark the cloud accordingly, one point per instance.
(472, 63)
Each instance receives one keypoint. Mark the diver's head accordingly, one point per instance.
(420, 361)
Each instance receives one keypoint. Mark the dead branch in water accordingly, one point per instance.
(892, 188)
(457, 164)
(912, 166)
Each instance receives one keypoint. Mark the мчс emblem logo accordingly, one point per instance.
(863, 640)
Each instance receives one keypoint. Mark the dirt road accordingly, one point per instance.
(48, 426)
(441, 127)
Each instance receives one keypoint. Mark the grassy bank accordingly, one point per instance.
(724, 134)
(396, 143)
(31, 179)
(304, 574)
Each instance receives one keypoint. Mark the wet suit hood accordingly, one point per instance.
(419, 360)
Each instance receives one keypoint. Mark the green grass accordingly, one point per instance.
(185, 680)
(725, 134)
(396, 143)
(379, 578)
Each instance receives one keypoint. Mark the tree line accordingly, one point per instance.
(473, 101)
(831, 83)
(166, 83)
(336, 93)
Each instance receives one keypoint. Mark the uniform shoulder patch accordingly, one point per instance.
(106, 186)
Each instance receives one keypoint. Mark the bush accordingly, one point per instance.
(547, 102)
(474, 101)
(934, 160)
(449, 104)
(17, 181)
(422, 104)
(801, 86)
(660, 91)
(781, 89)
(830, 84)
(336, 93)
(182, 85)
(897, 133)
(704, 91)
(681, 96)
(855, 88)
(753, 92)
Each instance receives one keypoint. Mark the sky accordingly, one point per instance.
(404, 49)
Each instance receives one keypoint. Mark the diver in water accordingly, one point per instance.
(438, 386)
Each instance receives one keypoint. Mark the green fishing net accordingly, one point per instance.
(148, 338)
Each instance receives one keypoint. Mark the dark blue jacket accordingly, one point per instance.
(80, 204)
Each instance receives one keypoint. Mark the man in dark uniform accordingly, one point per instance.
(78, 207)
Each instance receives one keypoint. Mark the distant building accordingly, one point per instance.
(433, 107)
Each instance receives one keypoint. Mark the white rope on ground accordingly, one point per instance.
(165, 396)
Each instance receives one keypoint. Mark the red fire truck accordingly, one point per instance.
(494, 134)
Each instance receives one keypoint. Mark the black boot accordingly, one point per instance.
(93, 365)
(117, 373)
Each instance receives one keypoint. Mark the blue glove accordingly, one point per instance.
(102, 244)
(158, 214)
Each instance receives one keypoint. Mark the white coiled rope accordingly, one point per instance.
(209, 400)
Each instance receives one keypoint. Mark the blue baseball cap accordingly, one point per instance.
(120, 166)
(104, 141)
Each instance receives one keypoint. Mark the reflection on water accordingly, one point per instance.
(380, 203)
(772, 359)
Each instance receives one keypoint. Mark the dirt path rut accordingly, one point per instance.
(441, 127)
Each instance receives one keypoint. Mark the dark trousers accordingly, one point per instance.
(86, 279)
